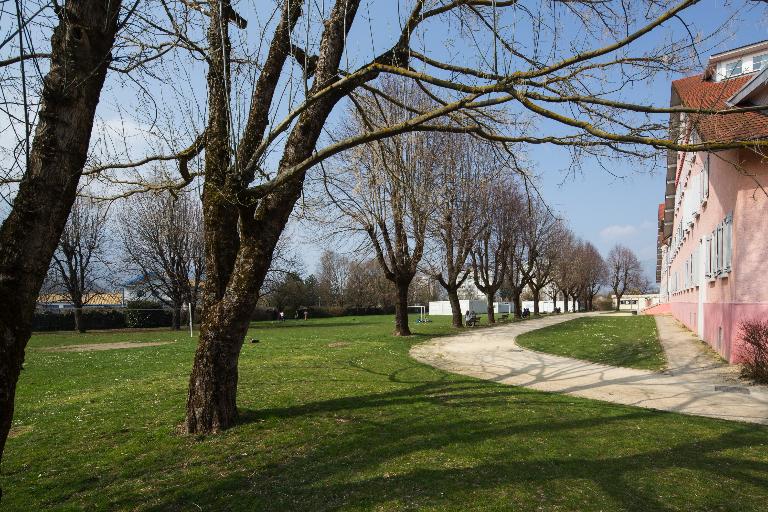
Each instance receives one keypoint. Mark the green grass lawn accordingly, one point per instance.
(336, 416)
(628, 341)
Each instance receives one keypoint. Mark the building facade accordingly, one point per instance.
(713, 224)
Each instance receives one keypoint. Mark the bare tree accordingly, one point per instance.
(542, 236)
(162, 239)
(79, 263)
(53, 162)
(385, 190)
(623, 271)
(332, 274)
(366, 285)
(565, 280)
(491, 255)
(465, 173)
(593, 274)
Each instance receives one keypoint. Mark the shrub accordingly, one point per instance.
(146, 313)
(754, 334)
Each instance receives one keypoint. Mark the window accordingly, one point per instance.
(718, 249)
(727, 241)
(733, 68)
(759, 62)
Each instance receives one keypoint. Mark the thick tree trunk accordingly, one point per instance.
(456, 313)
(401, 309)
(78, 314)
(517, 304)
(565, 302)
(489, 298)
(536, 294)
(618, 300)
(80, 54)
(573, 298)
(176, 318)
(212, 398)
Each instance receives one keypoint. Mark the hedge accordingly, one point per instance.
(145, 313)
(65, 320)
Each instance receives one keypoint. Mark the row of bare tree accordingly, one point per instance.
(451, 206)
(157, 237)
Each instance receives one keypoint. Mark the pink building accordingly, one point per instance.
(713, 225)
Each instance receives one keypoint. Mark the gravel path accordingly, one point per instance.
(691, 385)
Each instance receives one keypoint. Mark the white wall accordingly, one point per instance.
(443, 307)
(548, 306)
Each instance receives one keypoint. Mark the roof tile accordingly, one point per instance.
(696, 92)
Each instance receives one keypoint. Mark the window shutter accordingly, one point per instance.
(708, 257)
(695, 267)
(705, 180)
(727, 242)
(719, 249)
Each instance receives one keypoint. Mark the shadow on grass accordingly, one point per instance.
(402, 449)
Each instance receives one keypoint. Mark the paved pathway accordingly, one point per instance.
(492, 354)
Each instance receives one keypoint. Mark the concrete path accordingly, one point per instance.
(492, 354)
(688, 356)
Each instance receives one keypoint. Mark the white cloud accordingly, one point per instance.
(618, 231)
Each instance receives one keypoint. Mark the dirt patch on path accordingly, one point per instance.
(104, 346)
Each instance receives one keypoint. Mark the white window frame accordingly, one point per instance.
(704, 180)
(727, 227)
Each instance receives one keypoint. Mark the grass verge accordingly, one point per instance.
(628, 341)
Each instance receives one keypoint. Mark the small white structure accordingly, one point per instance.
(636, 302)
(548, 306)
(443, 307)
(503, 308)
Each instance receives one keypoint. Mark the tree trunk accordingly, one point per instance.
(536, 294)
(573, 298)
(618, 300)
(212, 398)
(489, 298)
(176, 318)
(517, 304)
(78, 314)
(565, 302)
(456, 313)
(401, 309)
(80, 54)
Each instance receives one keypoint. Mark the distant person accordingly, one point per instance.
(306, 314)
(282, 316)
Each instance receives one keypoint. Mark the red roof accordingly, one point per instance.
(696, 92)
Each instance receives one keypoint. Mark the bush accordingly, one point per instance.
(64, 320)
(754, 334)
(146, 313)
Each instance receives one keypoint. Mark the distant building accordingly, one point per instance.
(713, 225)
(57, 301)
(636, 302)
